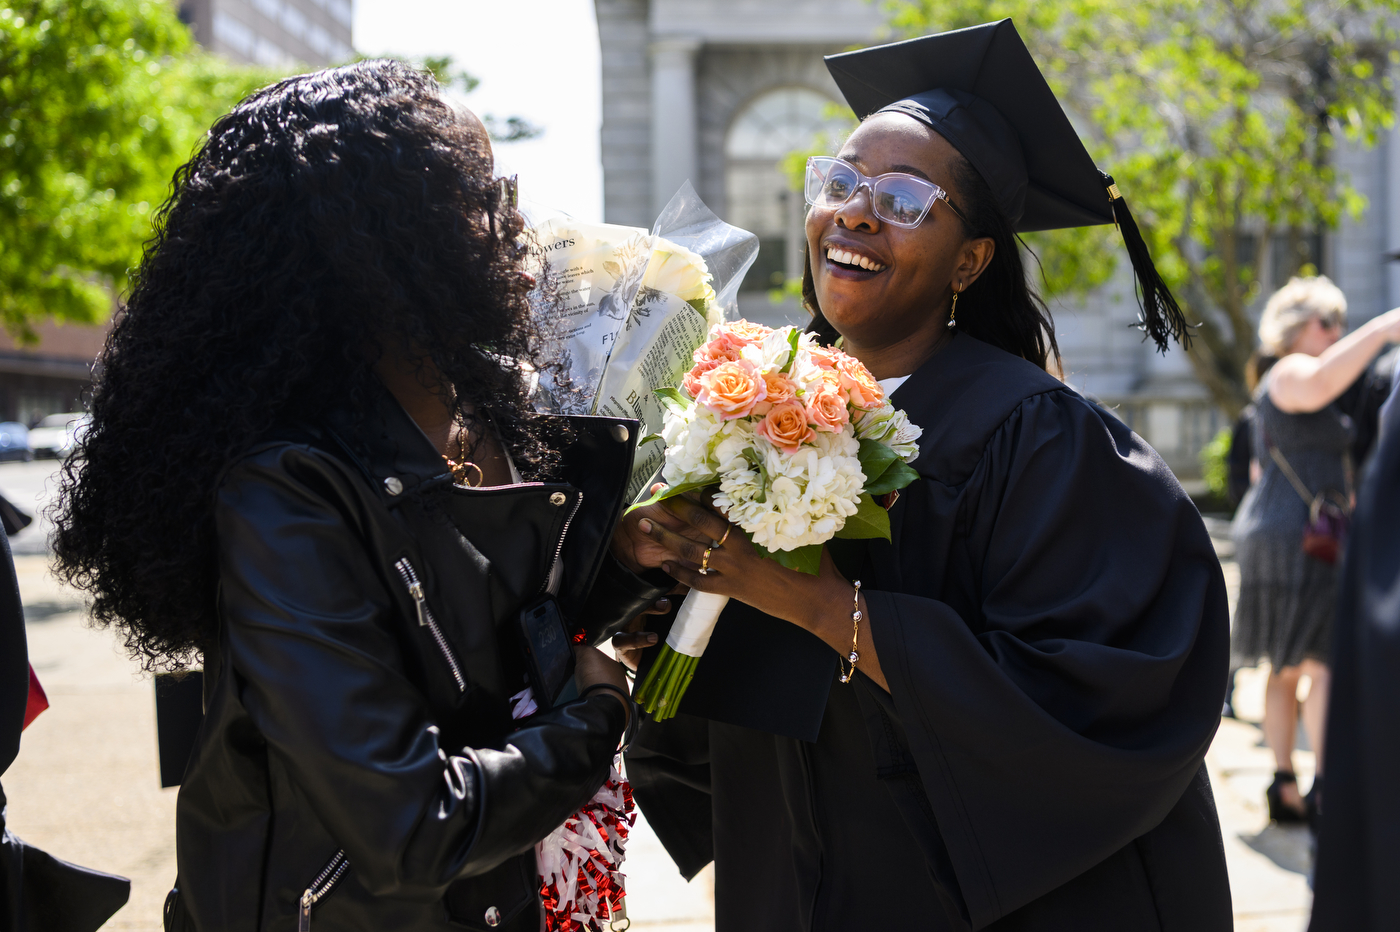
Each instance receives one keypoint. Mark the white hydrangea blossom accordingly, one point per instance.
(796, 500)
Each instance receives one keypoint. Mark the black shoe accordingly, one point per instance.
(1313, 806)
(1278, 812)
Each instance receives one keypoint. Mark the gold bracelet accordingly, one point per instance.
(854, 656)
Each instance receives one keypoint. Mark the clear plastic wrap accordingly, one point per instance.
(632, 306)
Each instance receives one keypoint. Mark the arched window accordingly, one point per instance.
(791, 119)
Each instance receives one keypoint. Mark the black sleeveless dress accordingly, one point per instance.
(1287, 598)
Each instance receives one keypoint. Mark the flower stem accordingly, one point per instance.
(666, 682)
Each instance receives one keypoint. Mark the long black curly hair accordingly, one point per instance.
(323, 216)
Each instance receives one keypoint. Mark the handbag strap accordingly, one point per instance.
(1306, 494)
(1303, 492)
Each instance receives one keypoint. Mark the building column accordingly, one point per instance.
(674, 130)
(1390, 162)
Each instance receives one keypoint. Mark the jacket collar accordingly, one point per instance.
(387, 444)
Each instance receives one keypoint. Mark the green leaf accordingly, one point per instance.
(897, 476)
(670, 491)
(793, 336)
(869, 521)
(875, 457)
(649, 438)
(673, 398)
(804, 559)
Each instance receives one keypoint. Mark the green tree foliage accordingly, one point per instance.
(509, 129)
(100, 102)
(1219, 120)
(1215, 463)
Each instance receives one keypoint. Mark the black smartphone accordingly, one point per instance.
(549, 655)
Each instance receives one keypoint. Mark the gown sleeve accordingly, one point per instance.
(1059, 694)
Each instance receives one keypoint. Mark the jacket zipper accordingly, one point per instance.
(426, 620)
(325, 882)
(559, 548)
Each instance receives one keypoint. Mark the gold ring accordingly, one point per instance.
(720, 543)
(705, 562)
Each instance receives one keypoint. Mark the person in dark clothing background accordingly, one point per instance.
(1304, 445)
(1358, 860)
(38, 892)
(1042, 645)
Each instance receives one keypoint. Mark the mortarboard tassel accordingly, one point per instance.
(1161, 316)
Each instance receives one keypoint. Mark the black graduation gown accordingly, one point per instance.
(1358, 859)
(1052, 620)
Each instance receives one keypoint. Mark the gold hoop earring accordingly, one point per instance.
(953, 312)
(458, 468)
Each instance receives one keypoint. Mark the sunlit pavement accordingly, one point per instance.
(85, 786)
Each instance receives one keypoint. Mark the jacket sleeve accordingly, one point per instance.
(310, 633)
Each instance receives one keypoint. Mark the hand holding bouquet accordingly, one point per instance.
(799, 441)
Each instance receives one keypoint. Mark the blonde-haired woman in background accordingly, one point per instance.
(1286, 599)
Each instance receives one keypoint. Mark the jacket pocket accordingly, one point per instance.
(500, 900)
(324, 883)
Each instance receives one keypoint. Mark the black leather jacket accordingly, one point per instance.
(357, 760)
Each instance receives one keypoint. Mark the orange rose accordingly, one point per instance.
(824, 356)
(786, 427)
(858, 384)
(780, 388)
(692, 378)
(717, 350)
(731, 389)
(826, 409)
(743, 333)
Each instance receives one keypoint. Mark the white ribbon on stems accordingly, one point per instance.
(695, 622)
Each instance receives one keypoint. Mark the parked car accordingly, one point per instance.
(59, 435)
(14, 442)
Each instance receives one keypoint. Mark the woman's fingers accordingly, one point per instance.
(710, 523)
(683, 547)
(636, 640)
(628, 647)
(710, 582)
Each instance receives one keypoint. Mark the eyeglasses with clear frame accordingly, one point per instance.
(898, 198)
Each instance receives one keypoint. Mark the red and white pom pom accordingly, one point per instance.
(580, 862)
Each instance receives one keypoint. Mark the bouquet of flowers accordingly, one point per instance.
(801, 444)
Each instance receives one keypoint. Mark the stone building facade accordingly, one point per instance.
(717, 91)
(273, 32)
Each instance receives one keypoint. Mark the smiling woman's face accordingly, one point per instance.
(903, 288)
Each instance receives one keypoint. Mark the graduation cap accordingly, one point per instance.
(980, 89)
